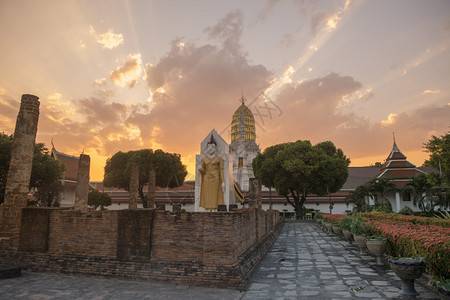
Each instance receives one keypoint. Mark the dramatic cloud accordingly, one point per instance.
(390, 120)
(8, 113)
(100, 81)
(267, 10)
(55, 96)
(108, 40)
(197, 89)
(228, 30)
(129, 73)
(312, 110)
(431, 92)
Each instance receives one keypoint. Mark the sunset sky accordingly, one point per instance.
(125, 75)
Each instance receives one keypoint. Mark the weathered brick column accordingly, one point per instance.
(151, 188)
(19, 173)
(134, 185)
(82, 189)
(254, 197)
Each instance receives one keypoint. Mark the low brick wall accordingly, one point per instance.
(218, 249)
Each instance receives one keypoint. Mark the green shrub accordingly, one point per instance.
(406, 211)
(411, 219)
(420, 214)
(346, 223)
(359, 226)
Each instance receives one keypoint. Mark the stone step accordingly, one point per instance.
(9, 271)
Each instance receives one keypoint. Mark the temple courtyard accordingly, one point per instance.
(303, 263)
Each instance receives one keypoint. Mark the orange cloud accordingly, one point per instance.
(433, 92)
(390, 120)
(108, 40)
(129, 73)
(196, 88)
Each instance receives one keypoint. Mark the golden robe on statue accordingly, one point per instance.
(211, 194)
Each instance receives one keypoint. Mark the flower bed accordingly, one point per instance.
(412, 236)
(412, 219)
(407, 239)
(333, 218)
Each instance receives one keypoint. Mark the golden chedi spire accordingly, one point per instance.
(243, 123)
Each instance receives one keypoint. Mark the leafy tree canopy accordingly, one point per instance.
(439, 150)
(378, 188)
(170, 172)
(358, 198)
(46, 172)
(298, 168)
(96, 199)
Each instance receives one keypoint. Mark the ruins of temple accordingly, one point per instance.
(215, 249)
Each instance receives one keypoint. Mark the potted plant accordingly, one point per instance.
(345, 225)
(376, 244)
(337, 230)
(329, 226)
(318, 217)
(408, 269)
(443, 289)
(359, 230)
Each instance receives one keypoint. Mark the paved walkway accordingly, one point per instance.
(307, 263)
(304, 263)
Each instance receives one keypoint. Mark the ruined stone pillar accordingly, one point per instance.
(134, 185)
(151, 188)
(255, 198)
(19, 173)
(82, 189)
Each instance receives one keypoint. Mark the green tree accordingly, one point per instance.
(46, 176)
(298, 169)
(358, 198)
(422, 192)
(170, 172)
(440, 191)
(96, 199)
(46, 172)
(439, 150)
(378, 188)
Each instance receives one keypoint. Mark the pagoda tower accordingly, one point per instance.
(397, 168)
(243, 147)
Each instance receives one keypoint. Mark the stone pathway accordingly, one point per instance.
(307, 263)
(41, 286)
(304, 263)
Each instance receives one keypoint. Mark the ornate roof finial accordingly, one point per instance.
(242, 97)
(393, 134)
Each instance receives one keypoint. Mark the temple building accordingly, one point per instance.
(243, 147)
(400, 171)
(242, 150)
(69, 181)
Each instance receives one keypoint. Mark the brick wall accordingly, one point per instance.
(212, 249)
(74, 232)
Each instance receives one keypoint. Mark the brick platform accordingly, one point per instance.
(219, 249)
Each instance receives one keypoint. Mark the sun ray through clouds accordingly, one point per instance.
(316, 44)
